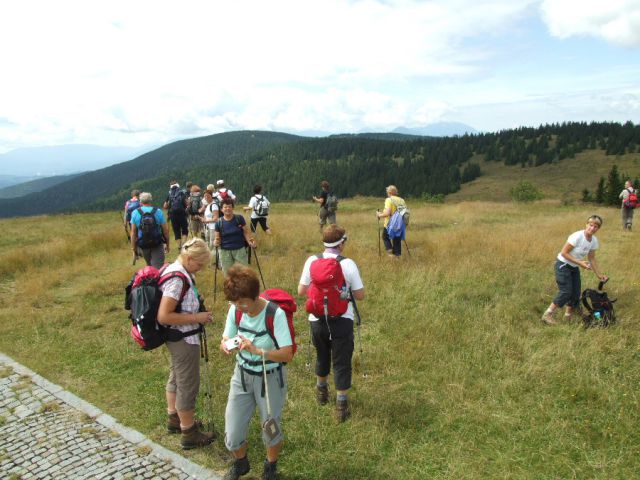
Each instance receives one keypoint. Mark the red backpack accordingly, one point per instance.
(632, 200)
(327, 286)
(277, 298)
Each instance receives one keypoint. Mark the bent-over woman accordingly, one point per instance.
(578, 252)
(247, 389)
(181, 311)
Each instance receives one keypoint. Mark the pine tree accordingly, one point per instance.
(600, 191)
(614, 186)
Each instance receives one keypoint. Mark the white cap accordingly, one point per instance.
(220, 182)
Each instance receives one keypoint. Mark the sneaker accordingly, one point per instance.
(194, 438)
(547, 317)
(322, 394)
(240, 467)
(342, 410)
(269, 472)
(173, 423)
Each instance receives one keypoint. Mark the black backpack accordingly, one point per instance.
(142, 298)
(600, 312)
(176, 200)
(150, 233)
(195, 203)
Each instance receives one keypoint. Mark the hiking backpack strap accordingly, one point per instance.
(268, 320)
(585, 300)
(174, 335)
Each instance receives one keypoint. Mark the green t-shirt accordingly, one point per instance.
(250, 328)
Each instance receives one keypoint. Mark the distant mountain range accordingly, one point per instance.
(440, 129)
(63, 159)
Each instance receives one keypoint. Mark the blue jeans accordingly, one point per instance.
(568, 281)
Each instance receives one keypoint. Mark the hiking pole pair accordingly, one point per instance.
(358, 323)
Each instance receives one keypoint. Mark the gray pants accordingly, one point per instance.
(627, 217)
(569, 286)
(154, 256)
(241, 405)
(230, 257)
(184, 373)
(325, 216)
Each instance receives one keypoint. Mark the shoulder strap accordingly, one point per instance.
(181, 276)
(268, 320)
(139, 210)
(154, 210)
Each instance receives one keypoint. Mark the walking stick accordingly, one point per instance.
(358, 323)
(208, 395)
(255, 254)
(407, 247)
(379, 234)
(215, 275)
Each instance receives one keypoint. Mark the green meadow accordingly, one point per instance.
(456, 377)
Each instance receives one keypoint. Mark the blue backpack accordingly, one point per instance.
(177, 200)
(130, 208)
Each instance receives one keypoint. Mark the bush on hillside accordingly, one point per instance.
(429, 198)
(525, 192)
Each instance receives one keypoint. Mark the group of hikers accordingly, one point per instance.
(256, 329)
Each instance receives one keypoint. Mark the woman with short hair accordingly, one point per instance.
(183, 312)
(258, 355)
(232, 236)
(578, 252)
(393, 246)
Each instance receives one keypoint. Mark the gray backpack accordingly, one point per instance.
(331, 204)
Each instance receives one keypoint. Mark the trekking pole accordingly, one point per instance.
(208, 397)
(407, 247)
(308, 364)
(358, 323)
(215, 275)
(379, 234)
(255, 254)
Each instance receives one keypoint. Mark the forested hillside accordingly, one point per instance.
(291, 167)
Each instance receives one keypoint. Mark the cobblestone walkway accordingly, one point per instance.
(46, 432)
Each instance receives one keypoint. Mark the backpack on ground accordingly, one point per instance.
(276, 298)
(328, 288)
(632, 200)
(600, 312)
(262, 206)
(331, 203)
(150, 233)
(131, 206)
(195, 203)
(142, 298)
(176, 199)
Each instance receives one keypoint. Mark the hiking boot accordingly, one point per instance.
(342, 410)
(194, 438)
(547, 317)
(173, 423)
(240, 467)
(322, 394)
(269, 472)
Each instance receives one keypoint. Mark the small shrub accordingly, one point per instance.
(429, 198)
(525, 192)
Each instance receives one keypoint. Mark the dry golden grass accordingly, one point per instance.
(463, 379)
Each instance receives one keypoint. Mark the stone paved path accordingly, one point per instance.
(46, 432)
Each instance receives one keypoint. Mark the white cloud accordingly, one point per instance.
(616, 21)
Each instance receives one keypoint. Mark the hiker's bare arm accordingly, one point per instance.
(596, 267)
(566, 253)
(358, 294)
(134, 236)
(167, 314)
(302, 289)
(385, 213)
(317, 200)
(216, 240)
(165, 232)
(284, 354)
(247, 236)
(246, 209)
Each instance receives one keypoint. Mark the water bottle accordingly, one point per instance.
(597, 315)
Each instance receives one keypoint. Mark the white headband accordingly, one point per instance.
(335, 244)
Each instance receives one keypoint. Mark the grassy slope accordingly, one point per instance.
(463, 379)
(568, 177)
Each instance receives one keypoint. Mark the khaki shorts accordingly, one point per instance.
(325, 216)
(229, 257)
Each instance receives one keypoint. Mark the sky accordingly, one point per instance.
(134, 73)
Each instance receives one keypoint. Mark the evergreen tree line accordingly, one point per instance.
(607, 191)
(290, 167)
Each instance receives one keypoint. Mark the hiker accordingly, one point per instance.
(232, 236)
(194, 204)
(184, 370)
(149, 232)
(580, 245)
(247, 389)
(175, 205)
(209, 215)
(222, 192)
(129, 206)
(629, 200)
(333, 335)
(326, 213)
(259, 206)
(392, 238)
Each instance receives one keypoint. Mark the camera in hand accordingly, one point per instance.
(232, 343)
